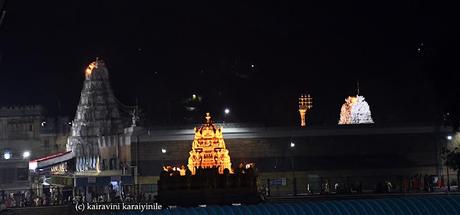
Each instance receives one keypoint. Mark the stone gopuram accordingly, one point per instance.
(97, 120)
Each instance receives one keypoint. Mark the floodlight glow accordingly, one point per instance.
(227, 111)
(163, 150)
(7, 155)
(292, 144)
(33, 165)
(449, 137)
(26, 154)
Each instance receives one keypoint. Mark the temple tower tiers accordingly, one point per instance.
(208, 149)
(97, 118)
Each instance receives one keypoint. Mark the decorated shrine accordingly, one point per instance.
(355, 111)
(208, 178)
(208, 149)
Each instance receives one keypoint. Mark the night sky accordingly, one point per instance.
(255, 58)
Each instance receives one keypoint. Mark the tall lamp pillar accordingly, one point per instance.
(305, 104)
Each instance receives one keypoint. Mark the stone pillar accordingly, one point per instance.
(77, 164)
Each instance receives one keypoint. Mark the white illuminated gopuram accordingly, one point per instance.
(355, 111)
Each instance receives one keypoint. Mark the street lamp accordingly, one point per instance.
(7, 155)
(294, 182)
(226, 114)
(26, 154)
(163, 150)
(449, 138)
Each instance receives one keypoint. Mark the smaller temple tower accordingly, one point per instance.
(355, 110)
(305, 104)
(208, 148)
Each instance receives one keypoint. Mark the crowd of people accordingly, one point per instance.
(172, 178)
(28, 198)
(182, 178)
(15, 199)
(414, 183)
(104, 197)
(349, 185)
(208, 185)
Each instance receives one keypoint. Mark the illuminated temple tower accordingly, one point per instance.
(208, 148)
(97, 120)
(355, 111)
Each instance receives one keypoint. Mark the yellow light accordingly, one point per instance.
(354, 99)
(90, 68)
(305, 104)
(182, 170)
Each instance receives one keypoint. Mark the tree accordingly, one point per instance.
(452, 161)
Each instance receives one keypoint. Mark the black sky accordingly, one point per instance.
(160, 53)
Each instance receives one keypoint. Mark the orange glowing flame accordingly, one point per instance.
(90, 68)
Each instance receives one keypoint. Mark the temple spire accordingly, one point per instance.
(208, 118)
(357, 88)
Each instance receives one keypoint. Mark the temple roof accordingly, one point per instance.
(208, 129)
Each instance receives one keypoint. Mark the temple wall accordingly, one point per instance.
(311, 153)
(116, 147)
(14, 174)
(368, 156)
(281, 183)
(21, 129)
